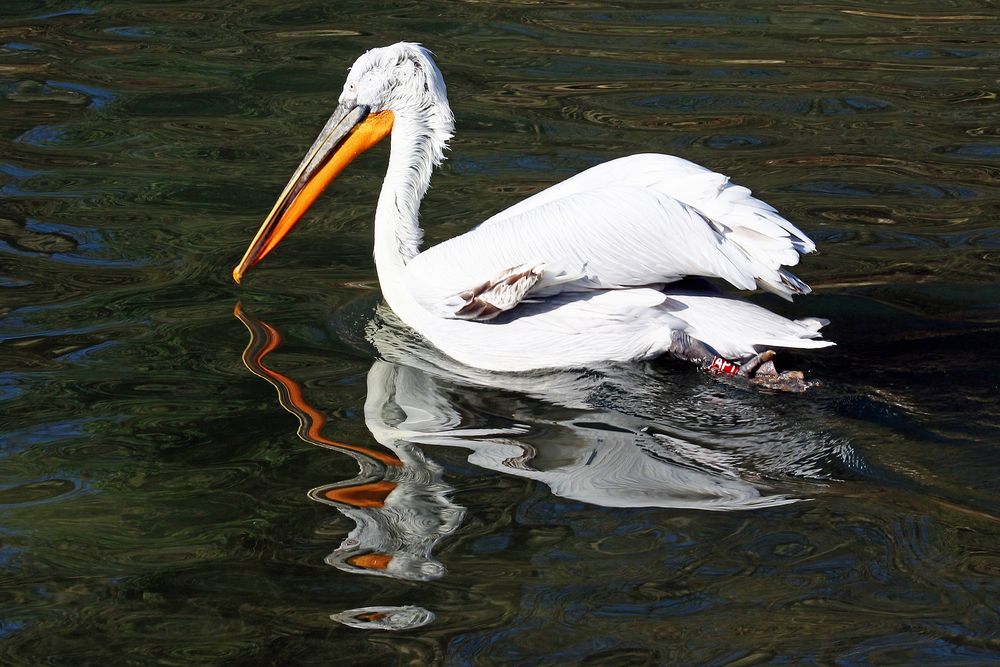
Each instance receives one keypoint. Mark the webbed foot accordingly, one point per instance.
(757, 362)
(760, 371)
(766, 375)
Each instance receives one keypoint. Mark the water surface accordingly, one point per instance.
(186, 485)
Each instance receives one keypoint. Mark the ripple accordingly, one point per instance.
(43, 135)
(385, 618)
(38, 492)
(76, 11)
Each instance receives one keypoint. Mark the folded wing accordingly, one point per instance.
(640, 220)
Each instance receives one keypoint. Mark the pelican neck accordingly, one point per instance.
(397, 217)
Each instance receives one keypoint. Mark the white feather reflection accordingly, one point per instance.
(597, 456)
(395, 536)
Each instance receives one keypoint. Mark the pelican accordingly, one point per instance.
(576, 275)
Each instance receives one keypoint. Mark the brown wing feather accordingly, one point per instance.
(489, 299)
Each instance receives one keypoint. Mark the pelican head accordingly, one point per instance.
(392, 90)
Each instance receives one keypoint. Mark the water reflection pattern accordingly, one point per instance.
(599, 453)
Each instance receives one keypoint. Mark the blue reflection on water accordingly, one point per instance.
(10, 627)
(130, 31)
(76, 11)
(42, 135)
(14, 442)
(17, 172)
(91, 246)
(19, 46)
(975, 150)
(83, 355)
(9, 387)
(99, 97)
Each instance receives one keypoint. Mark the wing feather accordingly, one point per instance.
(641, 220)
(486, 301)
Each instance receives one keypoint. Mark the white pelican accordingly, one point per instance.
(573, 276)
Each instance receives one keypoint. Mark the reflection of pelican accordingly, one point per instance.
(398, 502)
(570, 277)
(619, 438)
(385, 618)
(550, 431)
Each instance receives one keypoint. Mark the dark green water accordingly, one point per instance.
(159, 506)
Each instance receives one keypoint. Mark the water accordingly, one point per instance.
(162, 503)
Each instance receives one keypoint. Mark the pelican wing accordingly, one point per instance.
(640, 220)
(486, 301)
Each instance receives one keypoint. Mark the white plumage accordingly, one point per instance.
(634, 221)
(579, 273)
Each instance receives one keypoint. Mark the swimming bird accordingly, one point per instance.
(579, 274)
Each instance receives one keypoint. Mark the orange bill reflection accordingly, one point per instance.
(398, 501)
(264, 339)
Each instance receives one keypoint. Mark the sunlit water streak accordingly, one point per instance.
(154, 492)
